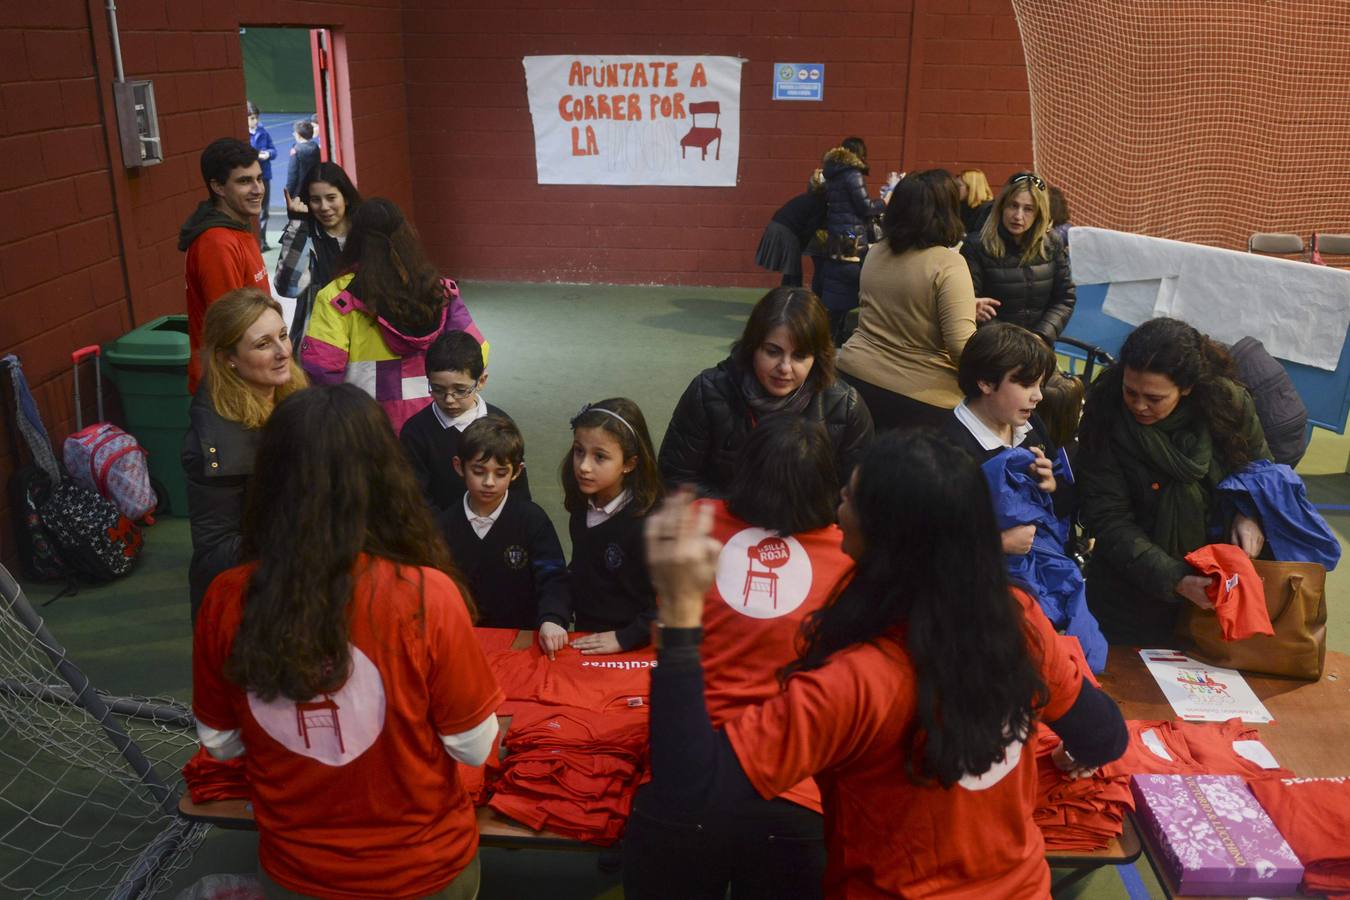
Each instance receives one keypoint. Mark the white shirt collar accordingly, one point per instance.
(483, 524)
(464, 419)
(984, 434)
(597, 514)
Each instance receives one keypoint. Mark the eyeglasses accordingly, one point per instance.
(1032, 177)
(459, 393)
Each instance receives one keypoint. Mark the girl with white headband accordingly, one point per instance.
(610, 483)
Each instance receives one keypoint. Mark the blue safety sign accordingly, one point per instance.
(798, 81)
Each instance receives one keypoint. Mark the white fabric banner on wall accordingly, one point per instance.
(672, 120)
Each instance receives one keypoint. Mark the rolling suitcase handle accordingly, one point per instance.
(95, 351)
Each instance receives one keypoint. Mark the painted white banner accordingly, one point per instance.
(636, 119)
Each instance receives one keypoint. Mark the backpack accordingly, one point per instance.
(29, 488)
(106, 459)
(103, 457)
(1283, 416)
(96, 540)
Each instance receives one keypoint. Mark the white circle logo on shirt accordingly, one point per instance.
(762, 575)
(335, 728)
(997, 772)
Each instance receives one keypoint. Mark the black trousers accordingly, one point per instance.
(891, 410)
(762, 850)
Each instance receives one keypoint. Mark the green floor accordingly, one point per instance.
(554, 347)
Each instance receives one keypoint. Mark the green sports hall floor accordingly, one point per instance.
(554, 347)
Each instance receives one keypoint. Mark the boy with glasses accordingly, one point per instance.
(455, 375)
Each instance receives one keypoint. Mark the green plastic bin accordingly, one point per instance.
(149, 366)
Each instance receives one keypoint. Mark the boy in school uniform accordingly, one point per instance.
(455, 376)
(503, 543)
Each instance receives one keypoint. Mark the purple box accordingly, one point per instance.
(1214, 836)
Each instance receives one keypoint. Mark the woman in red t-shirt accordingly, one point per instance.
(778, 561)
(340, 662)
(912, 698)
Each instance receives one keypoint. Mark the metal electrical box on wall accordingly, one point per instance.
(137, 123)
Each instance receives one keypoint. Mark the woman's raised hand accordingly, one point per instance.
(681, 558)
(985, 309)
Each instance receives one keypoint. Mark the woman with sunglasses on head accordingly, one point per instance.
(1019, 266)
(912, 699)
(372, 325)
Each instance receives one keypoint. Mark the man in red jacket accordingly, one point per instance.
(222, 253)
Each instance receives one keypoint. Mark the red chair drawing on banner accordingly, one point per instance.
(319, 714)
(701, 136)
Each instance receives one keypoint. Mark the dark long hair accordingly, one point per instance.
(634, 440)
(923, 212)
(397, 281)
(805, 318)
(331, 173)
(1192, 361)
(785, 478)
(330, 482)
(932, 570)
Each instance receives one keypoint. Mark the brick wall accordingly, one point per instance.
(88, 248)
(925, 83)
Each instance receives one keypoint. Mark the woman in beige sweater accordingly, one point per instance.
(918, 309)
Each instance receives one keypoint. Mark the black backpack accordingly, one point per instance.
(1283, 416)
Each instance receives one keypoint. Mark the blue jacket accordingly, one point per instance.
(1275, 496)
(1051, 576)
(260, 140)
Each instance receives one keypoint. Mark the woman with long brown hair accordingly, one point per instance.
(248, 368)
(340, 662)
(372, 325)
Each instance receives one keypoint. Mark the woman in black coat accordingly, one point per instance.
(247, 367)
(848, 224)
(783, 363)
(1020, 267)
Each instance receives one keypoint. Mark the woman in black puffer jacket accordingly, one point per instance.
(848, 222)
(1019, 266)
(783, 363)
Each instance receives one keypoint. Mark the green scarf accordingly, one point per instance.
(1181, 447)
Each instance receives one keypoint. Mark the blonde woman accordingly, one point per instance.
(1019, 267)
(976, 199)
(248, 367)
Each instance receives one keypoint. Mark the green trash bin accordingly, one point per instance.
(149, 366)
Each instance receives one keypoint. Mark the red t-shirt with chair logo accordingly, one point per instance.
(765, 586)
(849, 722)
(353, 792)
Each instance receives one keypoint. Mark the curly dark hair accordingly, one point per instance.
(397, 281)
(330, 482)
(1194, 363)
(932, 570)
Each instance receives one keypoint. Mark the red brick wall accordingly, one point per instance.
(89, 248)
(925, 83)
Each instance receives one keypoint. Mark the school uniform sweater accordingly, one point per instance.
(513, 568)
(610, 588)
(430, 447)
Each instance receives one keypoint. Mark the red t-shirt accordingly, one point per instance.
(765, 586)
(849, 722)
(218, 261)
(353, 792)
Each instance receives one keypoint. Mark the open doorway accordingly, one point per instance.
(295, 78)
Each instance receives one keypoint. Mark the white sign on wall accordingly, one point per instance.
(673, 120)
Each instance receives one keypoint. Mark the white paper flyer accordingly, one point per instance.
(1200, 692)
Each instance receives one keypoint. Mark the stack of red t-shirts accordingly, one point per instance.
(1313, 814)
(208, 778)
(613, 681)
(573, 771)
(1084, 814)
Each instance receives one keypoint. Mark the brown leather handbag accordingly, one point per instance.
(1297, 601)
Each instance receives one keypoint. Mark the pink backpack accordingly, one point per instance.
(105, 458)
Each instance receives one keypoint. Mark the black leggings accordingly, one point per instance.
(891, 410)
(762, 849)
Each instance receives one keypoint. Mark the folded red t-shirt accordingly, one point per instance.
(1313, 814)
(1237, 593)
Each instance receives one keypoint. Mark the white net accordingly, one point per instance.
(1202, 122)
(77, 817)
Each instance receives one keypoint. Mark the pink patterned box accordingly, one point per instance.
(1214, 836)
